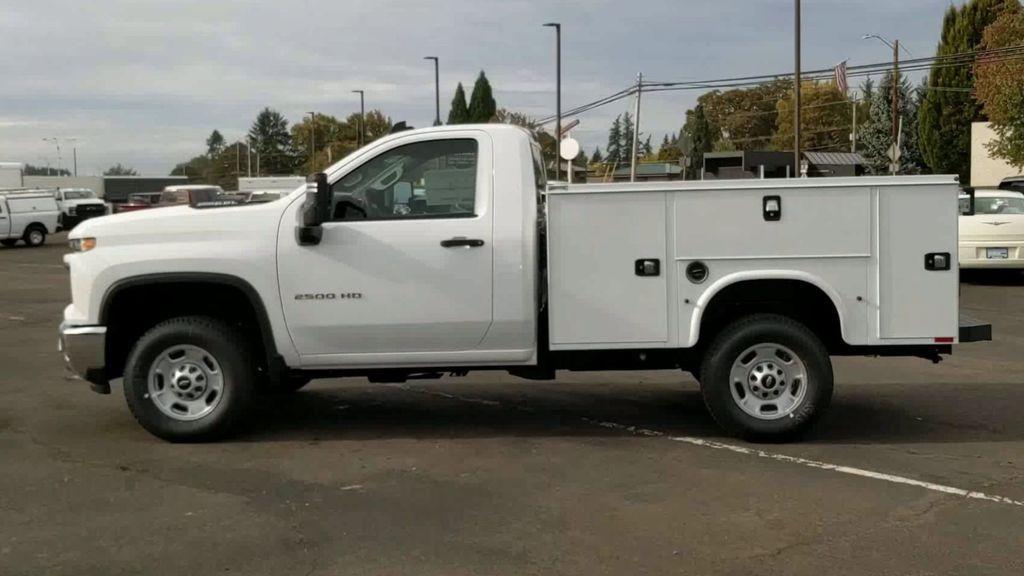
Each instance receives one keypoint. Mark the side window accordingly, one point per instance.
(435, 179)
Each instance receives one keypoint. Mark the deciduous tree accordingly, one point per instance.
(999, 85)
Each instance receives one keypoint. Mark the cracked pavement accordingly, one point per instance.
(492, 474)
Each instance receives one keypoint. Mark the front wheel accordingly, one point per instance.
(190, 379)
(766, 377)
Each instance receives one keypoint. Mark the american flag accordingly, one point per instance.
(841, 77)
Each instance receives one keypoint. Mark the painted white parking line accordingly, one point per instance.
(951, 490)
(812, 463)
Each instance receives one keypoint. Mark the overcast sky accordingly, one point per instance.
(144, 82)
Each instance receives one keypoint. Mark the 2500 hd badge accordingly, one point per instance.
(330, 296)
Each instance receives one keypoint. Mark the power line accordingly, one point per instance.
(1012, 53)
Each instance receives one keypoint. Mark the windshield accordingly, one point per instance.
(78, 194)
(999, 205)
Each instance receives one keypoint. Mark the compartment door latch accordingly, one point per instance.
(937, 261)
(772, 208)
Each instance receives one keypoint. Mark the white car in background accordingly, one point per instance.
(992, 235)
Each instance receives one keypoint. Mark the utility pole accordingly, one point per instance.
(362, 116)
(437, 89)
(896, 106)
(796, 94)
(558, 97)
(74, 153)
(312, 142)
(248, 157)
(853, 134)
(636, 128)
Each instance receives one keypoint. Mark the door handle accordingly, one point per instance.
(459, 241)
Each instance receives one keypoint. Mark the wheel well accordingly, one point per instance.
(130, 309)
(796, 299)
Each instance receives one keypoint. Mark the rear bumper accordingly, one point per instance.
(973, 330)
(84, 351)
(973, 254)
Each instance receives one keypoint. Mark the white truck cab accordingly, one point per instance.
(444, 250)
(77, 204)
(27, 216)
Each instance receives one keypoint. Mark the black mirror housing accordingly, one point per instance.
(967, 204)
(315, 212)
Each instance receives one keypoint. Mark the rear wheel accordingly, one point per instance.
(190, 379)
(766, 377)
(35, 236)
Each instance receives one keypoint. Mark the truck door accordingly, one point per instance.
(5, 220)
(405, 265)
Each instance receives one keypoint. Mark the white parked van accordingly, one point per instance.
(27, 215)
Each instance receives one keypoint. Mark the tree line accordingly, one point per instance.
(936, 116)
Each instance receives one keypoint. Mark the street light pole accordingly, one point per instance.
(362, 116)
(437, 89)
(558, 97)
(796, 94)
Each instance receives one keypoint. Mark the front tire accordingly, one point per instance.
(766, 378)
(190, 379)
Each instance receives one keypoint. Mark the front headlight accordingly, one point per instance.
(82, 244)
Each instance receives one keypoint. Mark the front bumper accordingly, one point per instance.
(84, 351)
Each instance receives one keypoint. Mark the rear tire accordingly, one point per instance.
(766, 378)
(190, 379)
(34, 236)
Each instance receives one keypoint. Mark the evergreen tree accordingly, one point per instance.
(948, 107)
(700, 138)
(596, 157)
(272, 140)
(875, 134)
(459, 112)
(626, 143)
(481, 103)
(214, 144)
(646, 150)
(613, 150)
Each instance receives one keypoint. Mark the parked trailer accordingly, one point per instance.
(443, 250)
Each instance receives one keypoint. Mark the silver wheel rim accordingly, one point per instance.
(768, 381)
(36, 237)
(185, 382)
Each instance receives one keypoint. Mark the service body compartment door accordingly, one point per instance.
(914, 301)
(598, 298)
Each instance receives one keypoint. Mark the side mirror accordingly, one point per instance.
(967, 202)
(315, 211)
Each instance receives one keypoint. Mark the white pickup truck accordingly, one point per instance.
(444, 250)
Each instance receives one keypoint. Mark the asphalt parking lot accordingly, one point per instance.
(918, 469)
